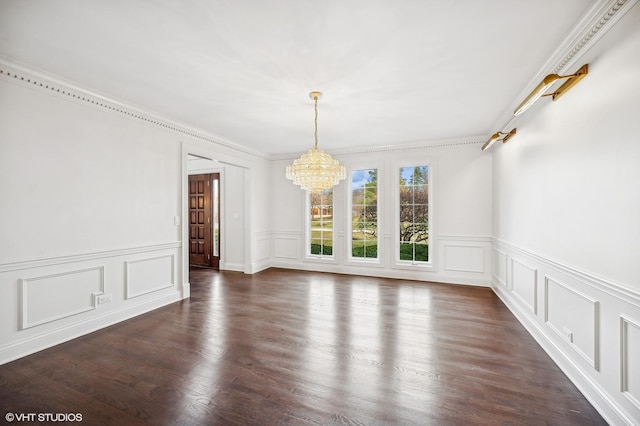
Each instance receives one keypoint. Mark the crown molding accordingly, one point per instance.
(25, 76)
(592, 26)
(400, 147)
(595, 22)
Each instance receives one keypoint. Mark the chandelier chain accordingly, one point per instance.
(315, 132)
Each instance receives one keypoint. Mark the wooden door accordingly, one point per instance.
(200, 234)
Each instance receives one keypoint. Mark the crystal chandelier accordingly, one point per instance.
(316, 170)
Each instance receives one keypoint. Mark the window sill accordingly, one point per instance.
(319, 259)
(368, 262)
(418, 266)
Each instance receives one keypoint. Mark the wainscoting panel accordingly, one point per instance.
(53, 297)
(262, 248)
(456, 259)
(574, 317)
(630, 359)
(500, 267)
(145, 276)
(46, 301)
(589, 326)
(463, 258)
(524, 284)
(286, 248)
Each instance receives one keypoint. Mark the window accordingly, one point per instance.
(321, 223)
(364, 214)
(413, 214)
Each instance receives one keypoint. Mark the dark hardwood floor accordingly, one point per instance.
(293, 347)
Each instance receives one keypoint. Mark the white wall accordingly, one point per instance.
(460, 228)
(567, 224)
(234, 210)
(259, 204)
(64, 166)
(91, 192)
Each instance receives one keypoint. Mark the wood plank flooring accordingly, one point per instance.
(294, 347)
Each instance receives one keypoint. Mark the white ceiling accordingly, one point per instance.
(392, 72)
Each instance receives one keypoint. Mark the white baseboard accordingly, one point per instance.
(229, 266)
(384, 273)
(36, 343)
(186, 290)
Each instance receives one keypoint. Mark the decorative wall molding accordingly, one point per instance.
(46, 301)
(422, 145)
(286, 247)
(595, 393)
(465, 238)
(469, 265)
(464, 258)
(21, 75)
(16, 265)
(592, 29)
(566, 309)
(499, 268)
(524, 284)
(37, 342)
(288, 232)
(615, 289)
(144, 276)
(49, 298)
(629, 356)
(587, 325)
(595, 23)
(262, 249)
(55, 86)
(601, 16)
(263, 242)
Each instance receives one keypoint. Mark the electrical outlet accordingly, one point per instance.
(103, 298)
(568, 334)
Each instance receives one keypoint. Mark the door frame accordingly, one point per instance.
(214, 153)
(212, 175)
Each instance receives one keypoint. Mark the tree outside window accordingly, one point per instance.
(414, 214)
(364, 213)
(321, 223)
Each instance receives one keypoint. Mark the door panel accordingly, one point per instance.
(204, 220)
(199, 221)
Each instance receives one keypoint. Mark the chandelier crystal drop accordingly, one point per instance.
(316, 170)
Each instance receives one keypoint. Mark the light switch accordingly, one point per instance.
(176, 220)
